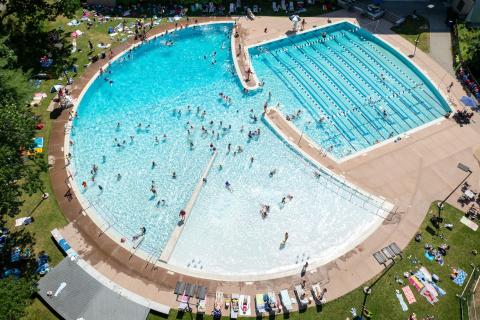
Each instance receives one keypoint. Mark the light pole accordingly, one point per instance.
(305, 126)
(301, 136)
(416, 44)
(368, 289)
(439, 219)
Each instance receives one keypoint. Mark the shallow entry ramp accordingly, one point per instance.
(75, 294)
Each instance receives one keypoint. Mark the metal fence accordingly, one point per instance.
(470, 296)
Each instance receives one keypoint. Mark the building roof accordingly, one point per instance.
(83, 297)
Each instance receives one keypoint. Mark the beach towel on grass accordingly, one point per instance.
(428, 295)
(415, 283)
(402, 302)
(460, 278)
(23, 221)
(429, 256)
(440, 291)
(409, 294)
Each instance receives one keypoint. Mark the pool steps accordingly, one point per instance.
(172, 241)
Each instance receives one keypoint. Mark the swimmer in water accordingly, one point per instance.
(285, 238)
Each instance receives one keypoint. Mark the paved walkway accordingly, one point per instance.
(411, 173)
(440, 40)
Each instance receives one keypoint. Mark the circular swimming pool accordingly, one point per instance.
(172, 110)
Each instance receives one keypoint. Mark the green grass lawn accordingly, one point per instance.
(46, 213)
(412, 28)
(382, 302)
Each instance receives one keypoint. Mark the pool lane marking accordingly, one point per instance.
(172, 241)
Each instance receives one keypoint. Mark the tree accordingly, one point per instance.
(15, 295)
(24, 24)
(469, 39)
(24, 38)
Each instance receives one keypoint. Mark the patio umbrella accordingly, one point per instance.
(469, 101)
(56, 88)
(294, 18)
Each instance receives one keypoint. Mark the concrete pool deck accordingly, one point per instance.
(410, 173)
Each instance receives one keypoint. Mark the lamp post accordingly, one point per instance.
(439, 219)
(301, 136)
(305, 126)
(368, 289)
(416, 44)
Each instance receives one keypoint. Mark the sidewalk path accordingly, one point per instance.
(440, 40)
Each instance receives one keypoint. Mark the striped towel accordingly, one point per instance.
(415, 282)
(409, 294)
(402, 302)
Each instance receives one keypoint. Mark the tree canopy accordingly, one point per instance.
(25, 37)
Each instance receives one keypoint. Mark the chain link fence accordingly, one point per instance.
(469, 299)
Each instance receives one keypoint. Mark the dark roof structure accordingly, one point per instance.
(84, 297)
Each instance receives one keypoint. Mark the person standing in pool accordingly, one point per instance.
(182, 215)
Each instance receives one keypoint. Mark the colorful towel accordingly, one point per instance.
(469, 223)
(440, 291)
(429, 256)
(460, 278)
(430, 288)
(426, 274)
(402, 302)
(415, 283)
(409, 294)
(429, 296)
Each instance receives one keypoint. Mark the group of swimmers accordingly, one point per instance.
(295, 115)
(265, 208)
(225, 98)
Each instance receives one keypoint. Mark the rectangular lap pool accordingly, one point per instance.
(345, 88)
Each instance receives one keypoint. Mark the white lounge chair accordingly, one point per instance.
(274, 7)
(63, 243)
(283, 5)
(234, 306)
(183, 306)
(291, 8)
(260, 303)
(219, 299)
(202, 299)
(318, 294)
(201, 306)
(250, 14)
(23, 221)
(273, 300)
(286, 300)
(245, 309)
(301, 297)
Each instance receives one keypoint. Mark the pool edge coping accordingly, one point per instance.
(385, 142)
(130, 246)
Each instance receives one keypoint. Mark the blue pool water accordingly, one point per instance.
(363, 90)
(173, 90)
